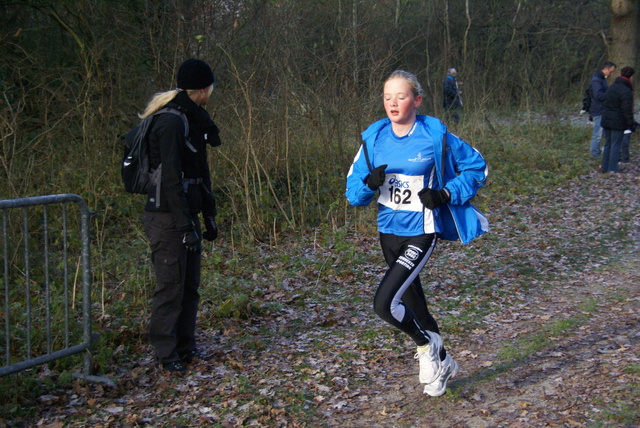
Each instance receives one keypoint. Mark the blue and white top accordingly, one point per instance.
(414, 162)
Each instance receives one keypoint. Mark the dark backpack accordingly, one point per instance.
(137, 175)
(586, 99)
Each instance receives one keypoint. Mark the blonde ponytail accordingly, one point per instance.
(161, 99)
(158, 101)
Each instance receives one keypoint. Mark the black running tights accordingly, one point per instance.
(400, 299)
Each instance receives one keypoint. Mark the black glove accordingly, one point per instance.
(191, 241)
(432, 199)
(211, 229)
(376, 178)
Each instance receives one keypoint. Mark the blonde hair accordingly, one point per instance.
(161, 99)
(411, 79)
(158, 101)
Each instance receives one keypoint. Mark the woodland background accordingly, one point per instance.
(297, 83)
(287, 286)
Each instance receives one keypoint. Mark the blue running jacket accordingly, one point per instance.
(416, 161)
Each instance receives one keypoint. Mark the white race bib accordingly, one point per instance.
(400, 192)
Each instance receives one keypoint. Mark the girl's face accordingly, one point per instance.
(399, 101)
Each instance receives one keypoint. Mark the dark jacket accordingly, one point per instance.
(618, 106)
(597, 87)
(185, 181)
(450, 95)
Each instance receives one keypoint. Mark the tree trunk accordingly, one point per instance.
(447, 35)
(625, 17)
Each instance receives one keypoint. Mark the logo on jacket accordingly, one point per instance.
(419, 158)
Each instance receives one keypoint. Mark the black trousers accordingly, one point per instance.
(174, 305)
(400, 299)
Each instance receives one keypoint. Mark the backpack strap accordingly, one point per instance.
(366, 155)
(436, 124)
(185, 122)
(157, 173)
(444, 156)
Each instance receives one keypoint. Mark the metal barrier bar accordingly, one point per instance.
(66, 275)
(85, 262)
(7, 321)
(27, 275)
(47, 283)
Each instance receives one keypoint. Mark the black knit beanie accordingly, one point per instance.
(195, 74)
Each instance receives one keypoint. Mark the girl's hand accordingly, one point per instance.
(432, 199)
(376, 178)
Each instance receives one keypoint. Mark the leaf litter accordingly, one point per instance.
(541, 314)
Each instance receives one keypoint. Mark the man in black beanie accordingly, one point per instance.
(174, 202)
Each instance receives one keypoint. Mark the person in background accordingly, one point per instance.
(624, 146)
(597, 89)
(617, 118)
(424, 193)
(451, 100)
(172, 224)
(626, 141)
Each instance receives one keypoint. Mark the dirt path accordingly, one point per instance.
(569, 382)
(558, 346)
(575, 344)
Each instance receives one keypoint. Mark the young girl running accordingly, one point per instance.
(426, 177)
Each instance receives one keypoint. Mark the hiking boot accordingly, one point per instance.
(175, 367)
(429, 358)
(195, 354)
(448, 369)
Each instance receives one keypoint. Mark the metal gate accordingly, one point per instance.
(46, 252)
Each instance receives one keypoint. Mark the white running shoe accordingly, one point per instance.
(429, 358)
(448, 370)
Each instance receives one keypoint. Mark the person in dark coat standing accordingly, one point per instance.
(617, 117)
(171, 223)
(451, 100)
(597, 89)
